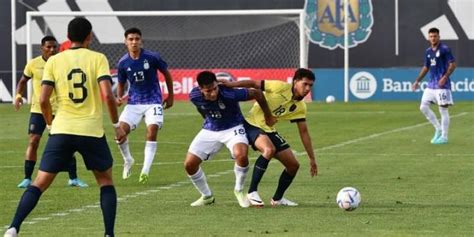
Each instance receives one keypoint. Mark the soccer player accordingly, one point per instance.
(286, 103)
(77, 76)
(439, 61)
(34, 70)
(139, 67)
(219, 106)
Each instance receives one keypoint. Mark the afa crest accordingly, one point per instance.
(324, 22)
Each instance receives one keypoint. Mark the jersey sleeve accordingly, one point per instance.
(48, 74)
(272, 86)
(160, 64)
(28, 71)
(241, 94)
(299, 114)
(103, 70)
(449, 55)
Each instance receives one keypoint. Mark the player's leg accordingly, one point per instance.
(237, 143)
(75, 181)
(288, 159)
(444, 100)
(35, 131)
(129, 118)
(98, 158)
(52, 162)
(259, 141)
(154, 122)
(203, 147)
(428, 98)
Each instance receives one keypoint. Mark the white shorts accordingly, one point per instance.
(133, 114)
(438, 96)
(207, 143)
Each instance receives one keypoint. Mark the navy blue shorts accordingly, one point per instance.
(60, 148)
(253, 132)
(37, 124)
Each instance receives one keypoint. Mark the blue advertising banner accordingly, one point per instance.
(385, 84)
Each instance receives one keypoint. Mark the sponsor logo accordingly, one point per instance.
(325, 22)
(363, 85)
(390, 85)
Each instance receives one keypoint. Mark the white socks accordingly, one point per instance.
(425, 109)
(444, 121)
(240, 175)
(150, 150)
(125, 151)
(200, 182)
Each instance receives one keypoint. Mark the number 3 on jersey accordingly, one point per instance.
(76, 80)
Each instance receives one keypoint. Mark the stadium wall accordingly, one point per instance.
(383, 53)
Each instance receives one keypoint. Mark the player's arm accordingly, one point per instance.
(47, 88)
(168, 102)
(242, 83)
(420, 77)
(257, 95)
(201, 112)
(19, 91)
(444, 78)
(306, 140)
(120, 92)
(106, 90)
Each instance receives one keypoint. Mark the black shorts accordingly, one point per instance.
(253, 132)
(60, 148)
(36, 124)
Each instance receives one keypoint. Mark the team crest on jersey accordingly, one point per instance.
(324, 22)
(221, 104)
(146, 65)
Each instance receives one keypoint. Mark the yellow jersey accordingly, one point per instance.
(75, 75)
(34, 70)
(279, 98)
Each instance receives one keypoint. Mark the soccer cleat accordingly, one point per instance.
(11, 232)
(242, 199)
(77, 183)
(283, 202)
(24, 183)
(255, 199)
(127, 169)
(436, 136)
(203, 200)
(441, 140)
(143, 178)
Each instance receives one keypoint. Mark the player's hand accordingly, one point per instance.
(270, 120)
(120, 135)
(118, 101)
(313, 168)
(121, 100)
(18, 103)
(414, 86)
(442, 81)
(168, 102)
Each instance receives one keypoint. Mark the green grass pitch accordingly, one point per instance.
(408, 186)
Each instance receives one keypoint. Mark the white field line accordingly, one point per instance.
(180, 183)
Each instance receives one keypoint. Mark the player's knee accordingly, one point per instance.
(293, 167)
(34, 142)
(190, 167)
(269, 151)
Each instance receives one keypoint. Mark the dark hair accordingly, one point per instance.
(48, 38)
(133, 30)
(433, 30)
(205, 78)
(78, 29)
(303, 72)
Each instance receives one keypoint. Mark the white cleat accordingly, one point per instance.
(242, 199)
(11, 233)
(283, 202)
(203, 201)
(127, 169)
(255, 199)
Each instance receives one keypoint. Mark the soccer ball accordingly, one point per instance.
(330, 99)
(348, 198)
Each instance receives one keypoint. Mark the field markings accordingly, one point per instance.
(125, 198)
